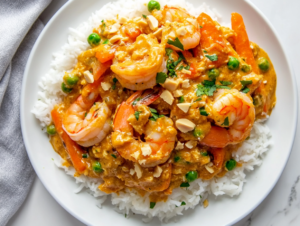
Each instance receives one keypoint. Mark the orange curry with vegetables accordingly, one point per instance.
(161, 100)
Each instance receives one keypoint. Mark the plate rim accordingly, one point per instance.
(80, 218)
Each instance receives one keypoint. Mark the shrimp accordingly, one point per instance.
(231, 109)
(159, 135)
(86, 121)
(136, 65)
(179, 23)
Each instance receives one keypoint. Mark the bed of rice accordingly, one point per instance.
(250, 154)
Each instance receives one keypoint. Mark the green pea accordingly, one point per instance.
(153, 5)
(197, 132)
(94, 39)
(51, 130)
(263, 64)
(65, 89)
(97, 167)
(246, 68)
(230, 164)
(191, 176)
(213, 73)
(71, 79)
(233, 63)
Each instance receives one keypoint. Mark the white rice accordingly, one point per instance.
(250, 154)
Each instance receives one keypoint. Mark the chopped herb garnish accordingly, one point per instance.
(198, 99)
(161, 77)
(169, 51)
(136, 100)
(204, 153)
(246, 82)
(144, 16)
(106, 41)
(213, 57)
(187, 67)
(181, 99)
(203, 112)
(84, 156)
(152, 204)
(85, 114)
(205, 51)
(183, 203)
(152, 110)
(185, 185)
(222, 87)
(176, 158)
(113, 155)
(201, 26)
(176, 43)
(180, 67)
(245, 90)
(226, 122)
(114, 83)
(137, 115)
(200, 197)
(154, 114)
(207, 88)
(225, 83)
(125, 215)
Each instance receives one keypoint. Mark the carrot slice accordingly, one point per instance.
(241, 41)
(99, 70)
(74, 150)
(105, 53)
(217, 137)
(212, 41)
(219, 154)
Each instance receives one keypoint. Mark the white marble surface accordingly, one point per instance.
(280, 208)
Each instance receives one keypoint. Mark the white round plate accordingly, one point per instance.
(221, 211)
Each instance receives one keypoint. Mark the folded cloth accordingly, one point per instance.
(19, 29)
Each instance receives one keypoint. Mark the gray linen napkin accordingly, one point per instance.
(18, 33)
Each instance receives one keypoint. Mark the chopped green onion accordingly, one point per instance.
(97, 167)
(183, 203)
(144, 16)
(225, 83)
(181, 99)
(203, 112)
(176, 158)
(246, 82)
(84, 156)
(204, 153)
(106, 41)
(114, 156)
(185, 185)
(152, 204)
(245, 90)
